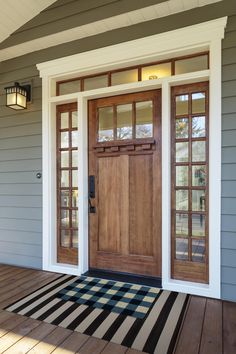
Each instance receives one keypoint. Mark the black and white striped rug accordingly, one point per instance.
(156, 332)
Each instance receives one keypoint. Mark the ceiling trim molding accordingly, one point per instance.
(160, 10)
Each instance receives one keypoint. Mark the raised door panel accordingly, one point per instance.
(141, 205)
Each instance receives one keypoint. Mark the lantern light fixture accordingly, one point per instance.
(17, 96)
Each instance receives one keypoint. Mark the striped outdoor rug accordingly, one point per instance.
(156, 332)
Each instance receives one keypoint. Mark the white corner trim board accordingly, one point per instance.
(192, 39)
(130, 18)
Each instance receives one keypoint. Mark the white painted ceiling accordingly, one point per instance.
(15, 13)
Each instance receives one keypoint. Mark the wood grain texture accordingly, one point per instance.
(211, 341)
(190, 337)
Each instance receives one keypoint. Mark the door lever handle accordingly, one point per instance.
(92, 209)
(92, 187)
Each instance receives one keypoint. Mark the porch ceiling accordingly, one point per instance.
(14, 14)
(24, 10)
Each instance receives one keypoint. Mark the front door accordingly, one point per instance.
(125, 183)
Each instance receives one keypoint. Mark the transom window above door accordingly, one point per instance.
(125, 121)
(148, 71)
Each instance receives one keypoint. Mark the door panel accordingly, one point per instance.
(141, 204)
(125, 158)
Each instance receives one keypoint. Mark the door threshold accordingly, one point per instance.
(124, 277)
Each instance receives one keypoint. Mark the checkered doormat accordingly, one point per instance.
(127, 299)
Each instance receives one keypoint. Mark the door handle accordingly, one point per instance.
(92, 209)
(92, 187)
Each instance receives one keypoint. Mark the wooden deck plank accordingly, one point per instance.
(12, 322)
(93, 345)
(229, 327)
(211, 341)
(17, 333)
(190, 335)
(72, 343)
(33, 338)
(51, 342)
(114, 349)
(133, 351)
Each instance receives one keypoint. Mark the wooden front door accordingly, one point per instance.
(125, 183)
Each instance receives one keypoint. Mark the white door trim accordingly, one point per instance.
(205, 36)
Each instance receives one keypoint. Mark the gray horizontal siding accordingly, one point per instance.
(228, 225)
(20, 190)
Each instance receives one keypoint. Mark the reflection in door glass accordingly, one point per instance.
(198, 250)
(124, 121)
(198, 102)
(144, 119)
(106, 129)
(181, 248)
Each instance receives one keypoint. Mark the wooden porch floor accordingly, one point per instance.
(209, 326)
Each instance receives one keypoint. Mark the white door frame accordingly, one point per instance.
(192, 39)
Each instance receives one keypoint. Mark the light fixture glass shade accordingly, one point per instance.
(16, 97)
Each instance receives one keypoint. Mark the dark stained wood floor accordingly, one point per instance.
(209, 326)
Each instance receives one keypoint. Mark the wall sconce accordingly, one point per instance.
(17, 96)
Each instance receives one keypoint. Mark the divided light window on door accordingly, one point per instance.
(190, 131)
(67, 184)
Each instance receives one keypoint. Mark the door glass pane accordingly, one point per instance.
(124, 77)
(95, 82)
(181, 104)
(64, 158)
(181, 200)
(181, 224)
(105, 130)
(198, 200)
(74, 199)
(64, 139)
(74, 138)
(65, 238)
(199, 175)
(198, 151)
(156, 71)
(64, 178)
(198, 225)
(69, 87)
(181, 127)
(65, 220)
(198, 102)
(182, 152)
(75, 178)
(74, 158)
(181, 248)
(75, 238)
(65, 120)
(124, 121)
(181, 176)
(74, 119)
(198, 251)
(74, 218)
(65, 199)
(198, 127)
(144, 119)
(191, 64)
